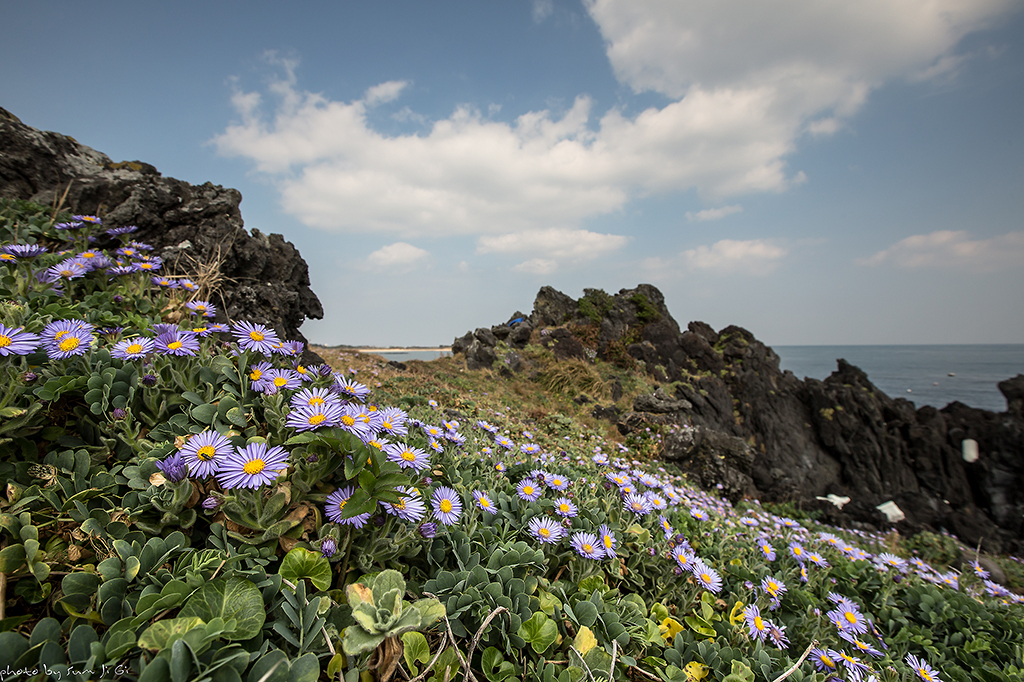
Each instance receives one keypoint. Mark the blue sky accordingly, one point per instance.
(819, 173)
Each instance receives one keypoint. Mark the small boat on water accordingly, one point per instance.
(951, 374)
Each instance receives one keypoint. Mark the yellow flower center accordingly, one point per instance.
(280, 381)
(146, 266)
(758, 623)
(255, 375)
(564, 508)
(797, 551)
(341, 505)
(174, 345)
(484, 503)
(206, 453)
(67, 273)
(59, 335)
(347, 420)
(446, 506)
(705, 577)
(69, 344)
(527, 489)
(316, 400)
(317, 419)
(256, 336)
(608, 541)
(387, 425)
(134, 348)
(409, 456)
(587, 548)
(827, 661)
(545, 532)
(850, 617)
(398, 505)
(254, 466)
(6, 256)
(924, 674)
(4, 341)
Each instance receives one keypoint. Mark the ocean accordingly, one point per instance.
(921, 374)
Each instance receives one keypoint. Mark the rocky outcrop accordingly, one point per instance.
(265, 279)
(736, 420)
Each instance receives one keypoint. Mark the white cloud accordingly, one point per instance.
(398, 254)
(713, 213)
(542, 9)
(752, 257)
(950, 249)
(384, 92)
(555, 243)
(746, 80)
(536, 266)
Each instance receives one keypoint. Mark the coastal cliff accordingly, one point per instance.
(732, 418)
(264, 279)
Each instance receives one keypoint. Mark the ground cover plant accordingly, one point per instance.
(184, 500)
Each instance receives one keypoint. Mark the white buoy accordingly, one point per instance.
(909, 391)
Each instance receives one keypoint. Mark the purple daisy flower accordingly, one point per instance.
(87, 219)
(164, 282)
(281, 379)
(548, 531)
(923, 670)
(252, 466)
(408, 508)
(256, 374)
(528, 490)
(706, 576)
(777, 633)
(255, 337)
(684, 557)
(447, 505)
(189, 285)
(73, 338)
(177, 342)
(311, 397)
(336, 503)
(407, 456)
(23, 250)
(587, 545)
(118, 231)
(204, 308)
(351, 389)
(174, 468)
(773, 587)
(758, 627)
(852, 664)
(204, 452)
(565, 508)
(637, 504)
(328, 547)
(824, 659)
(698, 514)
(484, 502)
(558, 483)
(608, 541)
(797, 551)
(350, 420)
(666, 527)
(71, 268)
(310, 417)
(862, 647)
(148, 265)
(134, 348)
(17, 341)
(848, 613)
(767, 550)
(392, 420)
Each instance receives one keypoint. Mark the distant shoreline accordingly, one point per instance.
(405, 349)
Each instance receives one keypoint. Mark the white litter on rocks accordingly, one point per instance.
(834, 499)
(891, 511)
(969, 447)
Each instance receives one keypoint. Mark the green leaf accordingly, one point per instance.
(385, 582)
(741, 672)
(305, 668)
(586, 613)
(540, 632)
(301, 563)
(229, 598)
(204, 414)
(416, 649)
(12, 558)
(358, 641)
(271, 667)
(164, 633)
(431, 611)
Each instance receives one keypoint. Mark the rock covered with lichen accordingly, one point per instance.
(264, 279)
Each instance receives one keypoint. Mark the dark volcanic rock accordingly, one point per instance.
(267, 281)
(737, 420)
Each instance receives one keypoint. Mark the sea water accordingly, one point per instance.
(927, 375)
